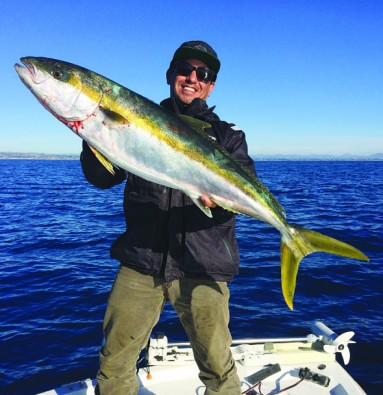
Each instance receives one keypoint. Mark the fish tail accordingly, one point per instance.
(302, 242)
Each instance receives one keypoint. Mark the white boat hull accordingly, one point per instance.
(172, 370)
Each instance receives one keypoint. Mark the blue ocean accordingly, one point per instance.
(55, 272)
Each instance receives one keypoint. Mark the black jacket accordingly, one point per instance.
(166, 233)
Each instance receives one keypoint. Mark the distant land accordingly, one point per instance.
(313, 157)
(22, 155)
(260, 157)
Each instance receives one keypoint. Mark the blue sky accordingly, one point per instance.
(299, 77)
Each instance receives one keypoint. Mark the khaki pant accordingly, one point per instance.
(134, 308)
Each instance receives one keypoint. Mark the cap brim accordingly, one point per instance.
(191, 53)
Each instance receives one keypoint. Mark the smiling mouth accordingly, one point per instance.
(188, 89)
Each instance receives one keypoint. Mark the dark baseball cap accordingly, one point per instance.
(198, 50)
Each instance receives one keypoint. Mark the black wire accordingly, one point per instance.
(275, 393)
(287, 388)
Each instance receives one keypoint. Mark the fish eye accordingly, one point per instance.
(57, 73)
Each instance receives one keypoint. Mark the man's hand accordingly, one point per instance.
(207, 202)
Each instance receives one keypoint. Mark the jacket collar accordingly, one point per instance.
(196, 109)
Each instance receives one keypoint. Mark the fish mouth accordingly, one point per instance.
(30, 72)
(28, 64)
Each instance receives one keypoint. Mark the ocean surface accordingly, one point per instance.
(55, 271)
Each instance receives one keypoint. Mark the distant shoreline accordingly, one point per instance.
(318, 157)
(33, 156)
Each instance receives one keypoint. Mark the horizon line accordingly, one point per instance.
(376, 155)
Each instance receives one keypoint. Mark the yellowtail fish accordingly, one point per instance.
(131, 132)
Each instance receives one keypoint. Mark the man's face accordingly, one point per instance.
(188, 88)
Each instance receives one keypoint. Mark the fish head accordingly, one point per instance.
(71, 93)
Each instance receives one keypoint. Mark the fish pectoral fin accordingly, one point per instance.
(104, 161)
(113, 118)
(201, 206)
(303, 242)
(194, 123)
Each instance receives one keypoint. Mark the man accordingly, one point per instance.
(171, 251)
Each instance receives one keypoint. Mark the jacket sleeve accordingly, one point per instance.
(237, 147)
(96, 173)
(233, 140)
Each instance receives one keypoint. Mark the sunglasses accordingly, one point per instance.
(203, 74)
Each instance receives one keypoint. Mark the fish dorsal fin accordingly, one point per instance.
(104, 161)
(194, 123)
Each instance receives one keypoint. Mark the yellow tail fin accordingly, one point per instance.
(304, 242)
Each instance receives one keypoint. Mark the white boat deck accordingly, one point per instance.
(181, 376)
(300, 366)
